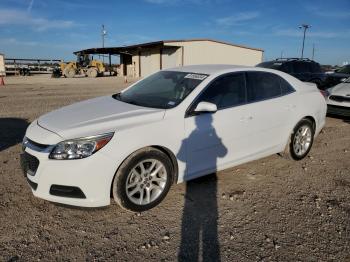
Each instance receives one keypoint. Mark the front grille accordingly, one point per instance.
(340, 98)
(39, 146)
(34, 145)
(29, 164)
(338, 110)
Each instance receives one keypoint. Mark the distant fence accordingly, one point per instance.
(23, 66)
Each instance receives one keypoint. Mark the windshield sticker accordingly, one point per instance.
(196, 76)
(171, 103)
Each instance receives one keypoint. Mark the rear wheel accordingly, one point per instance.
(143, 180)
(301, 139)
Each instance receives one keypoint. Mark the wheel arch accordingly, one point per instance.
(163, 149)
(312, 119)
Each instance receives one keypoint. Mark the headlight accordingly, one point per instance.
(79, 148)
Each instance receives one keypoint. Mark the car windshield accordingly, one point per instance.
(165, 89)
(271, 65)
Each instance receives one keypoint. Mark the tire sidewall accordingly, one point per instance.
(119, 183)
(291, 146)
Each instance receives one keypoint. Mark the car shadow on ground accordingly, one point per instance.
(12, 131)
(199, 229)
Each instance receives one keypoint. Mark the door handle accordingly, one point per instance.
(245, 119)
(290, 107)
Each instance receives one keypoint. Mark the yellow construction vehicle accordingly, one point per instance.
(84, 66)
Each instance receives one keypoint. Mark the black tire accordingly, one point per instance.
(69, 72)
(92, 72)
(121, 176)
(292, 153)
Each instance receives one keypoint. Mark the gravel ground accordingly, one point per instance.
(270, 209)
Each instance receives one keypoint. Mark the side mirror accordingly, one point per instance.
(205, 107)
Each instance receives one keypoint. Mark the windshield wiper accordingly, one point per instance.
(119, 97)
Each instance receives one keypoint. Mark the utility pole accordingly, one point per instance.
(305, 27)
(103, 34)
(282, 54)
(313, 51)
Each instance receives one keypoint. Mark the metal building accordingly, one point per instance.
(144, 59)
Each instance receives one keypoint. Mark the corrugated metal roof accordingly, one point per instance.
(125, 49)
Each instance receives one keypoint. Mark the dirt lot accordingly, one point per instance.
(271, 209)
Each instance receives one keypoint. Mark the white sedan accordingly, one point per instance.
(173, 126)
(338, 99)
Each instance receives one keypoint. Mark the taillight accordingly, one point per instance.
(325, 93)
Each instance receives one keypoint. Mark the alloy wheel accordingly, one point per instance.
(146, 182)
(302, 140)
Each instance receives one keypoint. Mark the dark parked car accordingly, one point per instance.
(304, 69)
(339, 75)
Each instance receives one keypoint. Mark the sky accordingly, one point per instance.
(56, 28)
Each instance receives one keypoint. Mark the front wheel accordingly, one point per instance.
(69, 72)
(143, 180)
(92, 72)
(302, 139)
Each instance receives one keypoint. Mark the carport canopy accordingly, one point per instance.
(120, 49)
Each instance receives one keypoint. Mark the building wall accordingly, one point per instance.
(150, 61)
(190, 53)
(208, 52)
(2, 65)
(171, 57)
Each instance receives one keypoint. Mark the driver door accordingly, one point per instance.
(213, 140)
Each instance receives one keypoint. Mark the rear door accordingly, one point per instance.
(271, 103)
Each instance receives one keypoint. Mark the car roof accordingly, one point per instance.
(218, 69)
(209, 69)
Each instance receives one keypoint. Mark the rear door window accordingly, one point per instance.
(315, 68)
(262, 86)
(299, 67)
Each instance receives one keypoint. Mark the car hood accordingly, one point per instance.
(342, 89)
(97, 116)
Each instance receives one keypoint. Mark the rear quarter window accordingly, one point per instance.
(265, 85)
(286, 88)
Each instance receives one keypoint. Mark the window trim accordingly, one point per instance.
(257, 101)
(190, 109)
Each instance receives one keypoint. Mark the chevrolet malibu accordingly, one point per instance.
(173, 126)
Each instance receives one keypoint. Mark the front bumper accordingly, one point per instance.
(83, 182)
(341, 108)
(338, 110)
